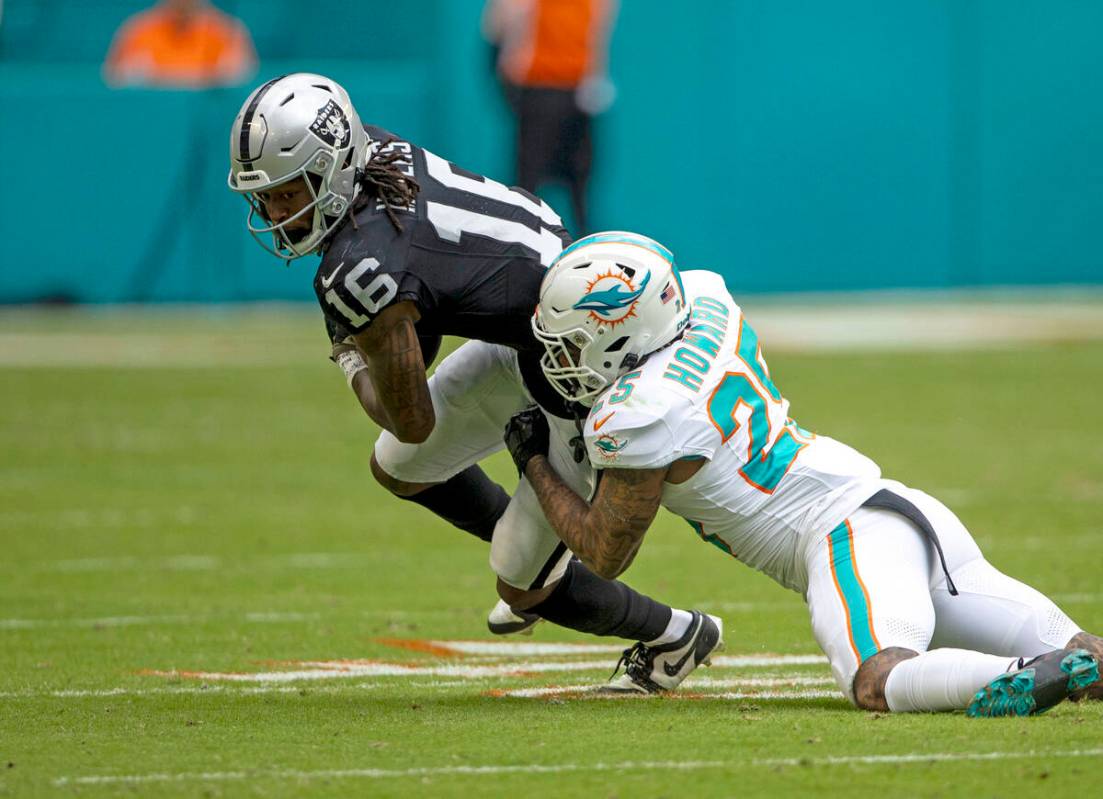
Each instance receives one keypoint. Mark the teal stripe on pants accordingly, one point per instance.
(857, 604)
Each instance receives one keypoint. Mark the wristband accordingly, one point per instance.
(351, 362)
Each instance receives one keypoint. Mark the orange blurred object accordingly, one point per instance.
(186, 44)
(551, 43)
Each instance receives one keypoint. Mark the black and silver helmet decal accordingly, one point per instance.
(332, 126)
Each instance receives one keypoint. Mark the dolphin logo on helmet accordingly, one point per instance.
(596, 322)
(606, 301)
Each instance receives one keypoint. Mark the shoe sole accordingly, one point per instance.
(1015, 694)
(523, 627)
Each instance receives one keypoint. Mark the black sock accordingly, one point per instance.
(470, 500)
(590, 604)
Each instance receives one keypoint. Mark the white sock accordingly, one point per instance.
(679, 623)
(941, 679)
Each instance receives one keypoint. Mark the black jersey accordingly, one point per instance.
(470, 256)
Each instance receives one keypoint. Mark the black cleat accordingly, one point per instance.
(1036, 685)
(655, 669)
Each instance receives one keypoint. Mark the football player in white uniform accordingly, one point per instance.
(683, 413)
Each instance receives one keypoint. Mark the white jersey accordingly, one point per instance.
(769, 487)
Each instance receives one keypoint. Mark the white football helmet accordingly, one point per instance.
(298, 125)
(606, 302)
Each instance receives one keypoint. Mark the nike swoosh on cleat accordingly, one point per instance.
(672, 670)
(601, 422)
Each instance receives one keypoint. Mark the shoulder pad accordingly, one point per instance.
(640, 428)
(622, 438)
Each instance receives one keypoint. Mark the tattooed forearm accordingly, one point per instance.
(398, 375)
(605, 535)
(365, 392)
(397, 393)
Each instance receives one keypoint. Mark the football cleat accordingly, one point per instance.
(504, 620)
(662, 667)
(1036, 685)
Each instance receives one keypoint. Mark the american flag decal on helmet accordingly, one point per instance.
(668, 293)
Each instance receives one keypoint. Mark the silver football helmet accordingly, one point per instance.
(297, 126)
(606, 302)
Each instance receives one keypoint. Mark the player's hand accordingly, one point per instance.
(526, 436)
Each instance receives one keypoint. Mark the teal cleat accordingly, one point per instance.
(1036, 685)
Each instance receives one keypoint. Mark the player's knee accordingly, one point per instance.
(397, 487)
(870, 679)
(523, 598)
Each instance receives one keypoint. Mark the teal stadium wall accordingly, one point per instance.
(794, 146)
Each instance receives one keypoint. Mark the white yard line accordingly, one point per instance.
(265, 617)
(687, 690)
(1077, 599)
(331, 670)
(918, 757)
(692, 684)
(561, 768)
(228, 690)
(125, 563)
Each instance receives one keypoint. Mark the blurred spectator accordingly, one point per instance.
(551, 59)
(181, 44)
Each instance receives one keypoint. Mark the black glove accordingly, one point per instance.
(527, 435)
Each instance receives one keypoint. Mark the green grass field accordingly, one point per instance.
(203, 593)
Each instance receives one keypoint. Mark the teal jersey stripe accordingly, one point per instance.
(715, 540)
(853, 595)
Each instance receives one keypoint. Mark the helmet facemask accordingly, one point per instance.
(299, 126)
(326, 210)
(564, 364)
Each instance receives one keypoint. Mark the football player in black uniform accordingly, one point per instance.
(413, 248)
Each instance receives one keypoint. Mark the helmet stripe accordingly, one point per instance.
(623, 238)
(247, 120)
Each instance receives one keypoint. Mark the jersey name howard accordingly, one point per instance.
(470, 256)
(768, 483)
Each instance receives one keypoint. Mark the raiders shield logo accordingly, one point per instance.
(332, 126)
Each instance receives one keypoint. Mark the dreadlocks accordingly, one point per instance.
(385, 181)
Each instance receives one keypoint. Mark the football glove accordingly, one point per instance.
(526, 436)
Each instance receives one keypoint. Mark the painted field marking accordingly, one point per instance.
(265, 617)
(686, 691)
(191, 562)
(345, 669)
(233, 689)
(916, 757)
(1077, 599)
(535, 768)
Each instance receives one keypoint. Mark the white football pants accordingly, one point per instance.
(475, 391)
(875, 582)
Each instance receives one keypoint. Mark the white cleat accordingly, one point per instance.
(656, 669)
(503, 620)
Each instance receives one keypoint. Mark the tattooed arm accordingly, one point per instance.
(393, 389)
(606, 533)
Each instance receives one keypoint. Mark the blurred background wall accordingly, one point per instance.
(794, 146)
